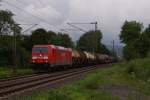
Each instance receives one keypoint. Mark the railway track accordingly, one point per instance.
(16, 77)
(20, 85)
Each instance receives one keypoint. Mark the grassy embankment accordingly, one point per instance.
(8, 72)
(127, 81)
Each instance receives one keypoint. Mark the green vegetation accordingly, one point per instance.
(135, 40)
(8, 72)
(41, 36)
(128, 81)
(91, 41)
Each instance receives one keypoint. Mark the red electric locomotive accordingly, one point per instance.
(50, 56)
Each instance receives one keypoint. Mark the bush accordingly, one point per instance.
(5, 57)
(140, 68)
(24, 57)
(58, 95)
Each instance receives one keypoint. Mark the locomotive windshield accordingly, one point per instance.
(40, 50)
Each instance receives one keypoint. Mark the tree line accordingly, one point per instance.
(136, 39)
(10, 32)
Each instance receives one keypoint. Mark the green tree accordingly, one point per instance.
(38, 36)
(91, 41)
(145, 37)
(137, 42)
(147, 31)
(65, 40)
(104, 49)
(130, 31)
(41, 36)
(52, 37)
(130, 52)
(8, 27)
(7, 23)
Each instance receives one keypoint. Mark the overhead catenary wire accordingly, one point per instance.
(30, 28)
(20, 1)
(24, 24)
(69, 29)
(40, 19)
(40, 2)
(95, 23)
(24, 3)
(76, 27)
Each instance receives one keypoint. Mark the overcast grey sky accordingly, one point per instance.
(110, 14)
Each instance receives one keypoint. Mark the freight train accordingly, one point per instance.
(48, 57)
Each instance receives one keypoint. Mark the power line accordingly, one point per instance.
(21, 2)
(95, 23)
(69, 29)
(24, 3)
(30, 28)
(40, 2)
(76, 27)
(27, 12)
(24, 24)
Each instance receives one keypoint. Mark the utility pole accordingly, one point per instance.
(96, 25)
(15, 46)
(113, 47)
(15, 53)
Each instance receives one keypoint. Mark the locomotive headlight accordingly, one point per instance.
(45, 57)
(34, 58)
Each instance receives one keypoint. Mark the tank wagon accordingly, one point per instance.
(47, 57)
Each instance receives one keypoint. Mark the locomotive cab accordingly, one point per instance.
(45, 57)
(41, 57)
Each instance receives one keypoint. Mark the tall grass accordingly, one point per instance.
(8, 72)
(139, 68)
